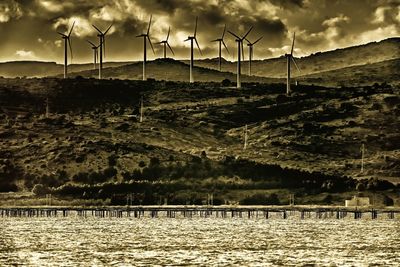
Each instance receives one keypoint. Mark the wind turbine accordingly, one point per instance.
(67, 42)
(288, 58)
(165, 44)
(95, 53)
(191, 38)
(146, 36)
(221, 42)
(102, 38)
(240, 52)
(250, 45)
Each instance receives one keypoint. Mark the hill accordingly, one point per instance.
(319, 62)
(368, 74)
(172, 70)
(92, 145)
(14, 69)
(168, 70)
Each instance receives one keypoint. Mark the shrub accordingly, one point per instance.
(226, 82)
(142, 164)
(112, 160)
(388, 201)
(154, 161)
(40, 190)
(110, 172)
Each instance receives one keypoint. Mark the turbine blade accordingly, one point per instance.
(187, 40)
(108, 28)
(62, 34)
(234, 34)
(97, 29)
(216, 40)
(169, 30)
(91, 43)
(201, 53)
(73, 24)
(295, 64)
(223, 33)
(258, 40)
(247, 32)
(195, 28)
(148, 29)
(170, 48)
(227, 50)
(152, 48)
(294, 36)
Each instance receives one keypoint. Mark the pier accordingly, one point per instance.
(266, 212)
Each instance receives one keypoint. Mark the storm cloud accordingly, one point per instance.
(29, 27)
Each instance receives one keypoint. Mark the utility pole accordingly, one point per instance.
(362, 157)
(48, 199)
(291, 199)
(141, 110)
(47, 108)
(245, 137)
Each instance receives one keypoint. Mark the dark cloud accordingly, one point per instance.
(29, 26)
(288, 3)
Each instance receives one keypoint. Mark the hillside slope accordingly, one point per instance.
(319, 62)
(381, 72)
(92, 135)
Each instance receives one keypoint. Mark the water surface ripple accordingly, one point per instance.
(75, 241)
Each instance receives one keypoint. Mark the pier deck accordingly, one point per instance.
(284, 212)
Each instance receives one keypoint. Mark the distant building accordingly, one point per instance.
(357, 202)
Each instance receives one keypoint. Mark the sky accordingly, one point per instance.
(28, 28)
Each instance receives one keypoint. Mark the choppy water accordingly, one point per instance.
(74, 241)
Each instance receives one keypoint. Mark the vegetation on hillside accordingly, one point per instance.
(91, 144)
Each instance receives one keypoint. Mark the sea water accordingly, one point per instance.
(76, 241)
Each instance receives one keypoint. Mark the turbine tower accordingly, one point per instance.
(146, 37)
(67, 42)
(250, 45)
(102, 39)
(165, 44)
(191, 38)
(221, 42)
(95, 53)
(288, 58)
(240, 52)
